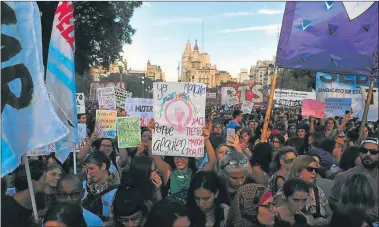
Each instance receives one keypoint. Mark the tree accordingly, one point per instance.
(101, 29)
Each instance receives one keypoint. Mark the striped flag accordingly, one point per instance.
(60, 76)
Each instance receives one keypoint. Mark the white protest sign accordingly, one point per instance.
(143, 108)
(120, 96)
(179, 110)
(106, 97)
(337, 106)
(233, 101)
(247, 106)
(80, 103)
(45, 150)
(82, 134)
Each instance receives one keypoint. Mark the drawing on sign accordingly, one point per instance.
(128, 131)
(138, 107)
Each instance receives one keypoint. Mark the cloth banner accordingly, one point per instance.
(289, 98)
(28, 119)
(329, 36)
(347, 86)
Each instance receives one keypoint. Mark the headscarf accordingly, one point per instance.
(244, 209)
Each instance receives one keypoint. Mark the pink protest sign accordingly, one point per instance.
(312, 107)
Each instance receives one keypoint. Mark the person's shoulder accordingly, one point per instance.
(348, 173)
(91, 218)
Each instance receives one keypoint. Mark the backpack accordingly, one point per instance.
(94, 203)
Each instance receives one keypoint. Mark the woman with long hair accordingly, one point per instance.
(203, 200)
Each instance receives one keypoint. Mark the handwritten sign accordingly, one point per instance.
(128, 131)
(82, 134)
(312, 107)
(106, 123)
(80, 103)
(247, 106)
(106, 97)
(337, 106)
(143, 108)
(179, 110)
(45, 150)
(120, 96)
(233, 101)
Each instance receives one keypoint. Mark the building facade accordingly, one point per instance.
(243, 76)
(197, 68)
(154, 72)
(261, 72)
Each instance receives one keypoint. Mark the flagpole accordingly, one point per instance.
(30, 185)
(269, 107)
(366, 109)
(74, 157)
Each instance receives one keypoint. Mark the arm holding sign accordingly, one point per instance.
(345, 121)
(209, 149)
(86, 149)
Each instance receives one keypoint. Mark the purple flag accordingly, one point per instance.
(334, 37)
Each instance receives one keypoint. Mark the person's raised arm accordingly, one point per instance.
(86, 149)
(312, 126)
(210, 151)
(345, 121)
(210, 121)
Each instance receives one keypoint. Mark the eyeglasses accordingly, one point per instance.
(73, 195)
(289, 161)
(125, 220)
(274, 141)
(311, 169)
(269, 206)
(106, 146)
(372, 151)
(235, 163)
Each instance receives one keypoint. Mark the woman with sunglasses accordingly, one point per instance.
(317, 204)
(282, 164)
(253, 206)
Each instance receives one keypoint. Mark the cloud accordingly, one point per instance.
(178, 20)
(270, 11)
(237, 14)
(268, 29)
(146, 4)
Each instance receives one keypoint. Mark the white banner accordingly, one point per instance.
(179, 110)
(106, 97)
(45, 150)
(82, 133)
(289, 98)
(80, 103)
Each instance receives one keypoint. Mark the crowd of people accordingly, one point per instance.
(304, 172)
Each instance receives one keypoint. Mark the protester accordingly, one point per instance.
(53, 174)
(64, 214)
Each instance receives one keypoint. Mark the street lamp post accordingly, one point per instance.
(143, 86)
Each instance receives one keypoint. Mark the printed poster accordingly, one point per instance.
(179, 110)
(106, 123)
(128, 132)
(138, 107)
(106, 97)
(337, 106)
(80, 103)
(312, 107)
(82, 134)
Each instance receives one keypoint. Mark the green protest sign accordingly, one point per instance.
(128, 131)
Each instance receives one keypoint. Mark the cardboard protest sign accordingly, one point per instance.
(179, 119)
(312, 107)
(120, 96)
(106, 97)
(246, 107)
(45, 150)
(233, 101)
(128, 131)
(143, 108)
(80, 103)
(82, 134)
(106, 123)
(337, 106)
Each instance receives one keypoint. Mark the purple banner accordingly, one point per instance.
(334, 37)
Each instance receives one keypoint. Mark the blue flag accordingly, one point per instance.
(60, 76)
(28, 118)
(330, 36)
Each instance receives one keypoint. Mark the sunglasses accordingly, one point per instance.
(235, 163)
(289, 161)
(310, 169)
(372, 151)
(73, 195)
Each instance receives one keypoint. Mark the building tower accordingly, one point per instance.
(185, 60)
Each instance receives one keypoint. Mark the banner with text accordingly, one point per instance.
(143, 108)
(106, 123)
(45, 150)
(289, 98)
(121, 95)
(252, 92)
(96, 85)
(106, 97)
(179, 110)
(128, 132)
(80, 103)
(337, 106)
(82, 134)
(346, 86)
(312, 107)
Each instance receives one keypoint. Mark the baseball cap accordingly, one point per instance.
(370, 140)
